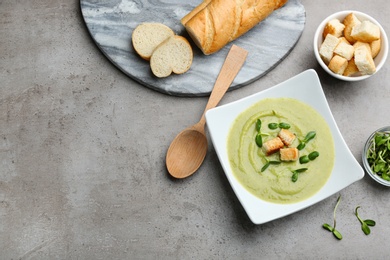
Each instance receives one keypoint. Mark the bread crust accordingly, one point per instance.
(338, 64)
(375, 47)
(272, 146)
(350, 21)
(214, 23)
(147, 36)
(351, 68)
(334, 27)
(364, 60)
(289, 154)
(173, 55)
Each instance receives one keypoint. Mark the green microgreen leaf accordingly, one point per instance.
(304, 159)
(272, 126)
(313, 155)
(296, 173)
(284, 125)
(259, 140)
(309, 136)
(328, 227)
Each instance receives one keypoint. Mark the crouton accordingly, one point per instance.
(364, 61)
(289, 154)
(334, 27)
(345, 50)
(327, 48)
(375, 47)
(351, 68)
(272, 146)
(338, 64)
(359, 43)
(350, 21)
(366, 31)
(286, 136)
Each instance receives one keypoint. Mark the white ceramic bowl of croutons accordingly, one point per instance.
(345, 67)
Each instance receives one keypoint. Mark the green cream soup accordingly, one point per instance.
(275, 184)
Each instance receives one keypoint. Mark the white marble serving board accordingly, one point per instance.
(111, 23)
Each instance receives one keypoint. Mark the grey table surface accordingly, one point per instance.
(82, 149)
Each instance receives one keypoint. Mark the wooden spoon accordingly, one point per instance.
(188, 150)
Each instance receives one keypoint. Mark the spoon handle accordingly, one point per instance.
(230, 68)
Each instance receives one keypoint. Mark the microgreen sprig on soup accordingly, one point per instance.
(307, 158)
(296, 173)
(309, 136)
(281, 125)
(268, 163)
(259, 135)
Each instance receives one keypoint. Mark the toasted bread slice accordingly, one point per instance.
(289, 154)
(350, 21)
(173, 55)
(147, 36)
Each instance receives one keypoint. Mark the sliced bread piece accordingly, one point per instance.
(147, 36)
(364, 61)
(366, 31)
(173, 55)
(334, 27)
(350, 21)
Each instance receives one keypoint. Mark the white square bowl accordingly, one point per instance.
(304, 87)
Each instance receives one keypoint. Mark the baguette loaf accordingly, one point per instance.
(214, 23)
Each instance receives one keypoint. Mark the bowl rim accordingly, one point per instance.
(366, 165)
(317, 42)
(307, 88)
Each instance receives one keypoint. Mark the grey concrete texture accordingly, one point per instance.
(82, 154)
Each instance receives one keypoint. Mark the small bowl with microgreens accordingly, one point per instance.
(350, 45)
(376, 156)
